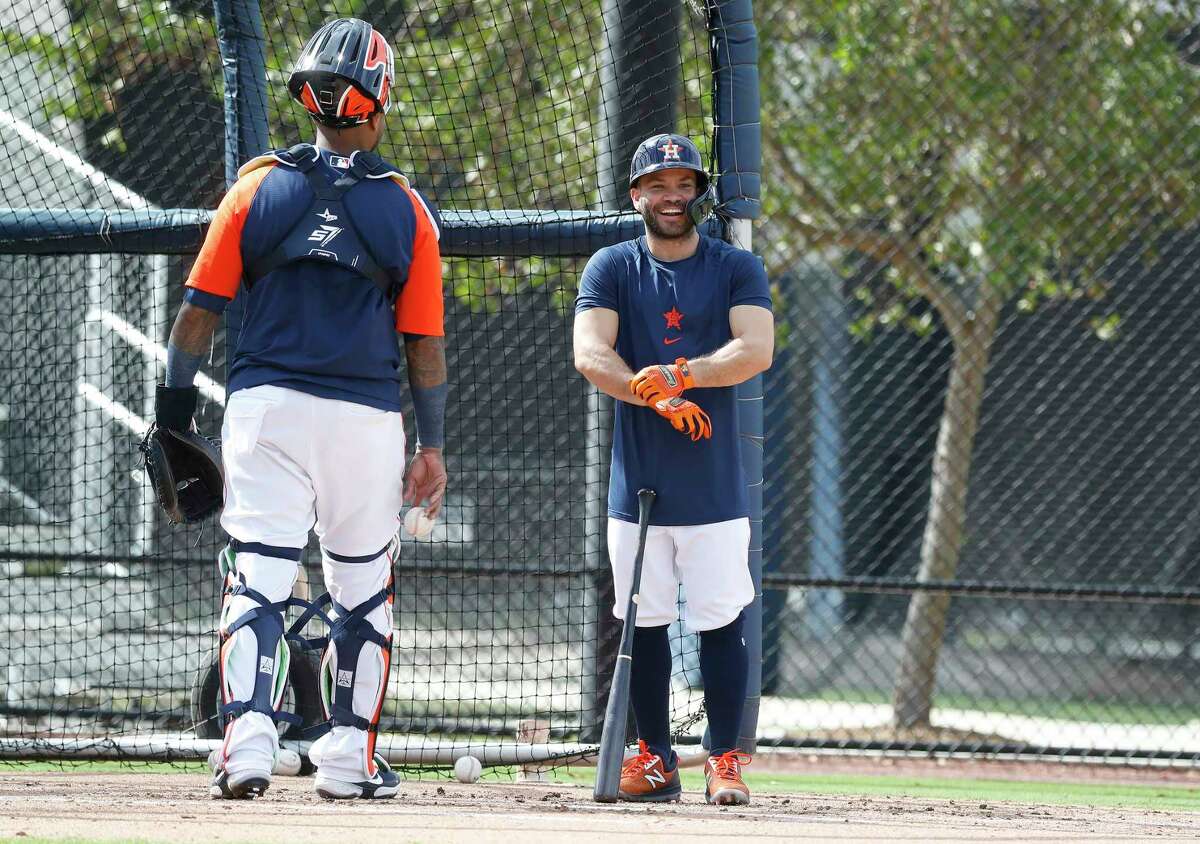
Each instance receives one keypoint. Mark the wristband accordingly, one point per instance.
(686, 372)
(429, 408)
(181, 366)
(174, 407)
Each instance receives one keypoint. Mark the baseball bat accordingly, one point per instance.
(612, 736)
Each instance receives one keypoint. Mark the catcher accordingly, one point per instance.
(336, 257)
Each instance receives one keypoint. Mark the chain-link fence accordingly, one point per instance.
(981, 222)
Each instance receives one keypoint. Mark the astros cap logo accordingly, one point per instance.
(670, 150)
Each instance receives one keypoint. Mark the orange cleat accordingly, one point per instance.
(723, 779)
(644, 779)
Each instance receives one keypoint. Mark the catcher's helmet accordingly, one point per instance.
(669, 151)
(344, 74)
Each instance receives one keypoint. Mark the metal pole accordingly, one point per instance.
(739, 155)
(823, 608)
(242, 43)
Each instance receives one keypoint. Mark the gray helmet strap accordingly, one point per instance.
(700, 207)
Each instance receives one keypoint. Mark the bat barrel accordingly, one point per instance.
(612, 738)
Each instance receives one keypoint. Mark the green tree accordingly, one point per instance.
(497, 101)
(988, 152)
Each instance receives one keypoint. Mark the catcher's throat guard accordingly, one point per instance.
(185, 471)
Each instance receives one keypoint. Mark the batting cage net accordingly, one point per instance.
(503, 615)
(979, 529)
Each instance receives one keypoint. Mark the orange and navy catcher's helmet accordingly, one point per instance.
(344, 74)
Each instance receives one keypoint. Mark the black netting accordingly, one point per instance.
(503, 618)
(112, 611)
(496, 104)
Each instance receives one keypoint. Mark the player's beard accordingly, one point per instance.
(668, 228)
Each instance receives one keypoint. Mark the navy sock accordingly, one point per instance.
(724, 664)
(650, 689)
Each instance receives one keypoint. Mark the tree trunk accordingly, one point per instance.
(925, 624)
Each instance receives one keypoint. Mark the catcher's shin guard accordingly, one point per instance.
(356, 663)
(254, 656)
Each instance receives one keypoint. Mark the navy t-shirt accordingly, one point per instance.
(666, 310)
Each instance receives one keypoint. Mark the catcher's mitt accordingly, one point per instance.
(185, 469)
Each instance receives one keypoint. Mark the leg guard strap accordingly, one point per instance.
(347, 635)
(312, 609)
(271, 666)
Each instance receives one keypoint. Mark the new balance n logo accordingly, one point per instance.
(656, 778)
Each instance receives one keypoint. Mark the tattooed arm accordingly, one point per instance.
(191, 338)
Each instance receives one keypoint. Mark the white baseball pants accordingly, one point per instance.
(295, 462)
(711, 561)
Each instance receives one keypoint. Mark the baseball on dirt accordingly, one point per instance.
(417, 523)
(287, 763)
(467, 769)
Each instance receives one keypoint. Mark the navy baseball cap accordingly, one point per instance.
(666, 152)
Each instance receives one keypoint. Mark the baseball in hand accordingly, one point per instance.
(418, 524)
(467, 769)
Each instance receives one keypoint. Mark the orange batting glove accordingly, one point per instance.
(662, 381)
(686, 417)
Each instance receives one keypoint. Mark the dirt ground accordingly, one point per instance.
(175, 808)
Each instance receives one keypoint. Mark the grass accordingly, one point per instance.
(104, 767)
(1088, 711)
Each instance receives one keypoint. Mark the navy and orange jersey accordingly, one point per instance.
(313, 326)
(666, 310)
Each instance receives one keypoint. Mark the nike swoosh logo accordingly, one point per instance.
(668, 341)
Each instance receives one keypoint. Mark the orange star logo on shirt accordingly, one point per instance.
(674, 318)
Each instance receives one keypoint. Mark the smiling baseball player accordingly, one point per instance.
(335, 255)
(668, 324)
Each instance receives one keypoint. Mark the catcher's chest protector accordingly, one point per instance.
(324, 231)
